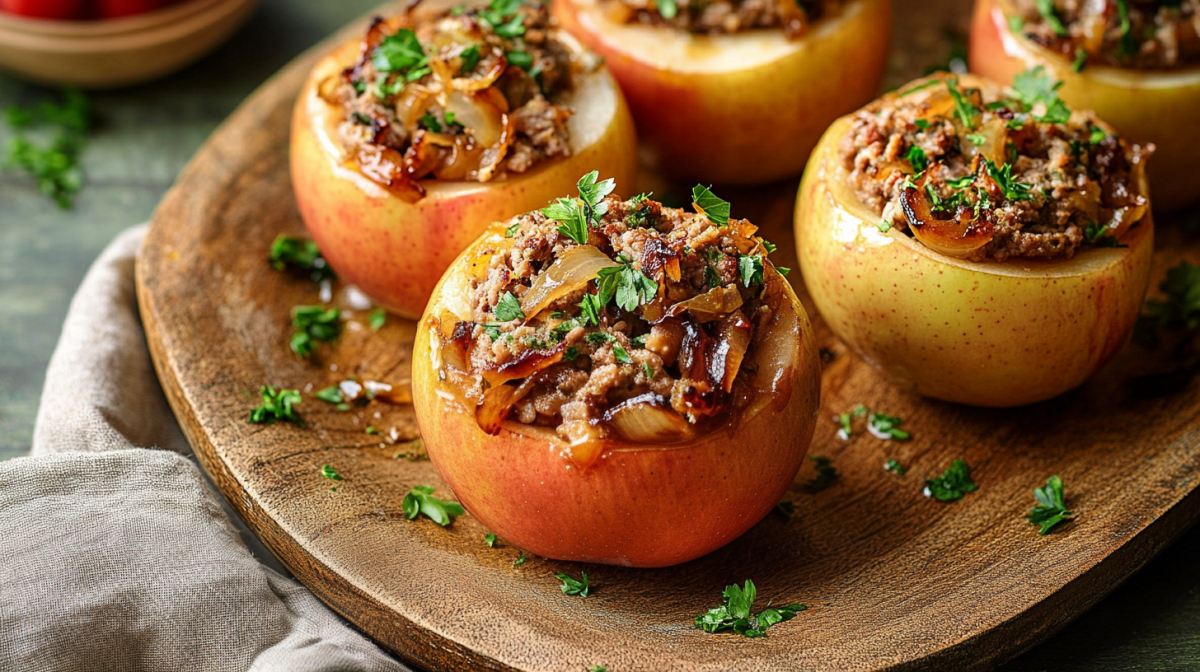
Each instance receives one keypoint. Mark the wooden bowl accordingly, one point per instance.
(118, 52)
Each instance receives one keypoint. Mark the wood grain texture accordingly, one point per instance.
(895, 581)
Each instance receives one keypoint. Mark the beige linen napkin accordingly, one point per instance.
(114, 554)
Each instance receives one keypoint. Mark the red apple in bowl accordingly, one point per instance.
(740, 108)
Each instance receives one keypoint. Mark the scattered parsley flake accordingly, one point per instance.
(648, 370)
(919, 87)
(667, 8)
(735, 613)
(962, 105)
(330, 473)
(916, 157)
(708, 204)
(884, 226)
(952, 484)
(572, 587)
(299, 254)
(470, 58)
(895, 467)
(628, 285)
(277, 405)
(591, 308)
(490, 539)
(420, 501)
(331, 395)
(521, 59)
(599, 338)
(1037, 86)
(401, 53)
(520, 560)
(574, 215)
(621, 355)
(372, 430)
(886, 427)
(1081, 59)
(1097, 135)
(1046, 9)
(750, 267)
(509, 308)
(1051, 509)
(314, 323)
(1016, 23)
(430, 122)
(377, 318)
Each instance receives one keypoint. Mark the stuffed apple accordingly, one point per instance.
(977, 244)
(736, 91)
(407, 143)
(618, 382)
(1136, 63)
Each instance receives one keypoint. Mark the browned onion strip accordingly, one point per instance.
(647, 418)
(711, 305)
(958, 236)
(570, 272)
(497, 403)
(728, 349)
(524, 365)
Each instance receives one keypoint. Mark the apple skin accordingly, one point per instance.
(394, 250)
(637, 505)
(1159, 107)
(45, 9)
(751, 121)
(986, 334)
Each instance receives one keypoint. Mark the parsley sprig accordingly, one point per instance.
(1037, 86)
(401, 53)
(952, 484)
(54, 166)
(314, 323)
(570, 586)
(575, 215)
(300, 255)
(278, 405)
(1051, 509)
(420, 501)
(735, 613)
(710, 205)
(628, 285)
(963, 106)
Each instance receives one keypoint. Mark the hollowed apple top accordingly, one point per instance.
(724, 16)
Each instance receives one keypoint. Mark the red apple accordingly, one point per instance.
(395, 250)
(113, 9)
(634, 504)
(743, 108)
(983, 333)
(1144, 105)
(45, 9)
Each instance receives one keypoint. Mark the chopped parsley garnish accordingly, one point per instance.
(916, 157)
(509, 308)
(639, 342)
(919, 87)
(572, 587)
(921, 124)
(575, 215)
(886, 427)
(621, 355)
(503, 18)
(513, 230)
(1081, 59)
(1181, 309)
(521, 59)
(648, 370)
(629, 285)
(420, 500)
(430, 122)
(961, 182)
(735, 613)
(1037, 86)
(1129, 44)
(884, 226)
(299, 254)
(277, 405)
(590, 309)
(331, 395)
(571, 353)
(401, 53)
(708, 204)
(313, 323)
(963, 107)
(1051, 509)
(597, 668)
(565, 327)
(470, 58)
(977, 139)
(769, 246)
(55, 166)
(951, 485)
(330, 473)
(895, 467)
(844, 421)
(826, 474)
(372, 430)
(750, 268)
(1097, 135)
(520, 560)
(377, 318)
(600, 338)
(667, 8)
(490, 539)
(1046, 9)
(1016, 23)
(1093, 231)
(1002, 175)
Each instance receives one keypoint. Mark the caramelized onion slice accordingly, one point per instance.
(995, 140)
(497, 403)
(728, 350)
(957, 236)
(711, 305)
(1135, 201)
(647, 418)
(573, 270)
(524, 365)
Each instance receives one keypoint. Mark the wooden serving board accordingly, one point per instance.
(894, 581)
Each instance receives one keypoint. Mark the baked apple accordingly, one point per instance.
(408, 143)
(736, 91)
(618, 382)
(977, 244)
(1136, 63)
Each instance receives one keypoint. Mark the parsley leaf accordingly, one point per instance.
(1081, 59)
(884, 226)
(895, 467)
(951, 485)
(621, 355)
(1046, 9)
(509, 308)
(330, 473)
(886, 427)
(826, 474)
(708, 204)
(401, 53)
(420, 501)
(54, 167)
(313, 323)
(750, 267)
(1129, 44)
(629, 285)
(502, 17)
(430, 122)
(575, 215)
(591, 308)
(299, 254)
(667, 8)
(490, 539)
(600, 338)
(962, 105)
(1037, 86)
(572, 587)
(470, 58)
(735, 613)
(277, 405)
(1051, 509)
(520, 560)
(916, 157)
(1002, 175)
(331, 395)
(377, 318)
(521, 59)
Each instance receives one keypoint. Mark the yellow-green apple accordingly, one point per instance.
(1144, 106)
(983, 333)
(394, 249)
(618, 502)
(741, 108)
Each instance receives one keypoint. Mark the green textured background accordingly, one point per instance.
(145, 136)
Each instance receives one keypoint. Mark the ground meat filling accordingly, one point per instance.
(994, 174)
(648, 336)
(1144, 34)
(465, 95)
(725, 16)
